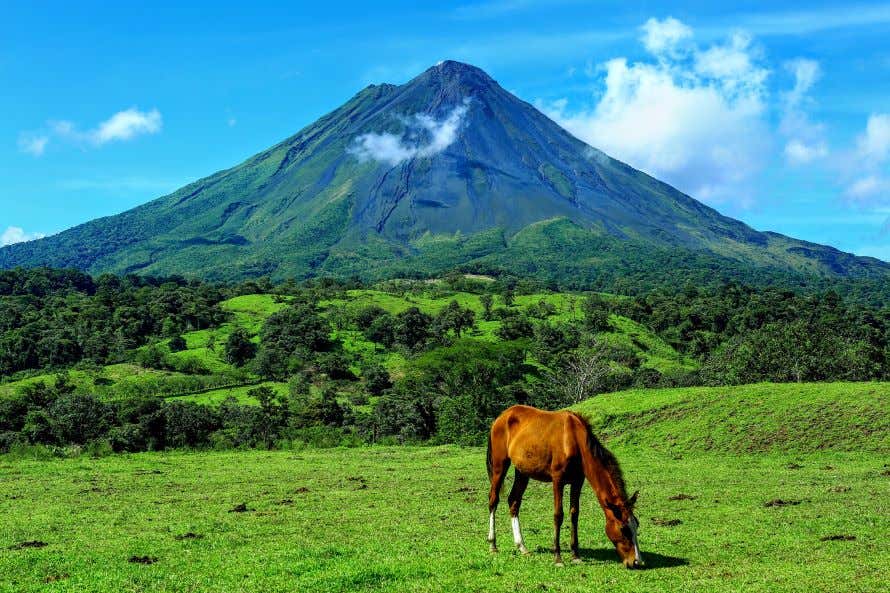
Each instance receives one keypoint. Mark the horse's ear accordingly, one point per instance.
(633, 499)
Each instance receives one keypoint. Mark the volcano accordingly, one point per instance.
(447, 171)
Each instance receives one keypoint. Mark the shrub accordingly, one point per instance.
(128, 438)
(177, 344)
(239, 348)
(79, 418)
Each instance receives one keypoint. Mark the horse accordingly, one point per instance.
(559, 447)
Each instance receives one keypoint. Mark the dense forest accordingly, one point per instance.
(331, 362)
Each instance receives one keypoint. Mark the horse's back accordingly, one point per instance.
(535, 439)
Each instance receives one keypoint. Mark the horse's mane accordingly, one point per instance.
(609, 461)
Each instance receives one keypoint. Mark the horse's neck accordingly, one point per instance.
(600, 478)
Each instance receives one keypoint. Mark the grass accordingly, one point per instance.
(414, 518)
(214, 397)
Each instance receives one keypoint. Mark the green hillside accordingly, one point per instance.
(201, 373)
(778, 417)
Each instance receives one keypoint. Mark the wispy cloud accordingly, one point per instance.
(121, 126)
(804, 22)
(868, 167)
(15, 234)
(424, 136)
(33, 144)
(805, 139)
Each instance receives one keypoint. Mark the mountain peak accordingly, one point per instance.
(450, 73)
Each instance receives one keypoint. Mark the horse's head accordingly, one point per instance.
(621, 528)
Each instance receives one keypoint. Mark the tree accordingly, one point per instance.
(515, 327)
(596, 314)
(412, 328)
(456, 318)
(177, 344)
(486, 300)
(582, 376)
(239, 348)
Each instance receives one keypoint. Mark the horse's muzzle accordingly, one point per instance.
(635, 565)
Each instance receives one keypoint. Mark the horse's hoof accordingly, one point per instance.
(524, 552)
(559, 564)
(493, 550)
(577, 561)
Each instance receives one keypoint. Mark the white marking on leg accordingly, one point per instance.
(517, 535)
(491, 527)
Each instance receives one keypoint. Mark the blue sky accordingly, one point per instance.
(774, 113)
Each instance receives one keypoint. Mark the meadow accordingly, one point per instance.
(734, 497)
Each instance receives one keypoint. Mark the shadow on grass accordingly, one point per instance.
(653, 560)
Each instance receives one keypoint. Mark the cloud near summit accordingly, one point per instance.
(424, 136)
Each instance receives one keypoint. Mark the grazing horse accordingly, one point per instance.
(559, 447)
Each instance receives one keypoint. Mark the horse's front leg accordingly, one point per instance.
(557, 519)
(574, 509)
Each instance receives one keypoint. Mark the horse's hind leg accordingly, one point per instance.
(557, 519)
(500, 463)
(520, 482)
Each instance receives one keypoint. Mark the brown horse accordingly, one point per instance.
(559, 447)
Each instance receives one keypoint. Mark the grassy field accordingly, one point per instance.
(806, 509)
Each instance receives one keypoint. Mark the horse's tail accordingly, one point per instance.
(488, 461)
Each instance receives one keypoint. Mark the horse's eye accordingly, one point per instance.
(626, 531)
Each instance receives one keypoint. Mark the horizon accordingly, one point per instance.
(802, 147)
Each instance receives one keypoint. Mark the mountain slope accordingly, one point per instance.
(448, 169)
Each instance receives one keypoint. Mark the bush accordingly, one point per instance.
(515, 327)
(177, 344)
(239, 348)
(79, 418)
(188, 424)
(128, 438)
(376, 379)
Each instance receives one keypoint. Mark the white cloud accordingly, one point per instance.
(665, 37)
(123, 125)
(14, 234)
(805, 139)
(798, 152)
(867, 165)
(424, 136)
(878, 251)
(127, 124)
(869, 190)
(874, 144)
(696, 121)
(34, 144)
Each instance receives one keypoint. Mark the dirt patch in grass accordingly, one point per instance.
(52, 578)
(837, 538)
(779, 502)
(239, 508)
(142, 560)
(34, 543)
(188, 535)
(682, 496)
(665, 522)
